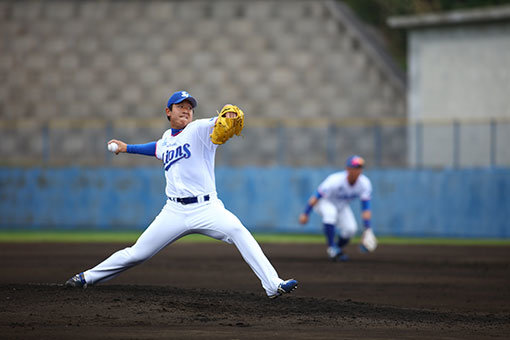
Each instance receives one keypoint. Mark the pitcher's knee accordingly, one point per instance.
(236, 231)
(135, 257)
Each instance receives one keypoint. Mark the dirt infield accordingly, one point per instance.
(206, 291)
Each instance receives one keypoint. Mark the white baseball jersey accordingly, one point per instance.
(188, 159)
(188, 162)
(337, 189)
(334, 205)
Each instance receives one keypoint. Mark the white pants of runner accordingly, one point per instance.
(177, 220)
(341, 217)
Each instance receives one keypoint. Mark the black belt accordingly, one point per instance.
(188, 200)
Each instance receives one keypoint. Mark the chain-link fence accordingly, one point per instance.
(278, 142)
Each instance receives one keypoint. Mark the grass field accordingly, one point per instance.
(131, 236)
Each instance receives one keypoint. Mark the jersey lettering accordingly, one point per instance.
(346, 197)
(342, 194)
(174, 155)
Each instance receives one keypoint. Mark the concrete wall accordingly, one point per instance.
(459, 73)
(447, 203)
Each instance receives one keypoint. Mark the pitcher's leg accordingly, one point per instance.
(162, 231)
(221, 224)
(253, 255)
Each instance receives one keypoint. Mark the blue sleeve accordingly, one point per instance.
(148, 149)
(308, 208)
(365, 205)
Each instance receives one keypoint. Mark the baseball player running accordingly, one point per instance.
(187, 151)
(331, 202)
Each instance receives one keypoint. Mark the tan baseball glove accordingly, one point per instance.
(230, 121)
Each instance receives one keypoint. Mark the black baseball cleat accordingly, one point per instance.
(335, 254)
(77, 281)
(341, 257)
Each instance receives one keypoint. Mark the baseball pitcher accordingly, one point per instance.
(331, 202)
(187, 152)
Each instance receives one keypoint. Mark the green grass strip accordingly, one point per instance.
(68, 236)
(131, 236)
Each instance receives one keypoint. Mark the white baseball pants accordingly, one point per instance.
(341, 217)
(175, 221)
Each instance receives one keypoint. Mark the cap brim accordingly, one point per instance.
(192, 100)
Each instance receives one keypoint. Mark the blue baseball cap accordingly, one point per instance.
(181, 96)
(355, 162)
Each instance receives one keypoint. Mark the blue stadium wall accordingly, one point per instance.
(472, 203)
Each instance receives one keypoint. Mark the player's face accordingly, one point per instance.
(353, 174)
(180, 115)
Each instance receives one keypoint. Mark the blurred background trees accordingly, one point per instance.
(375, 12)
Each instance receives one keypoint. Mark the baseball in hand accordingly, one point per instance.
(113, 147)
